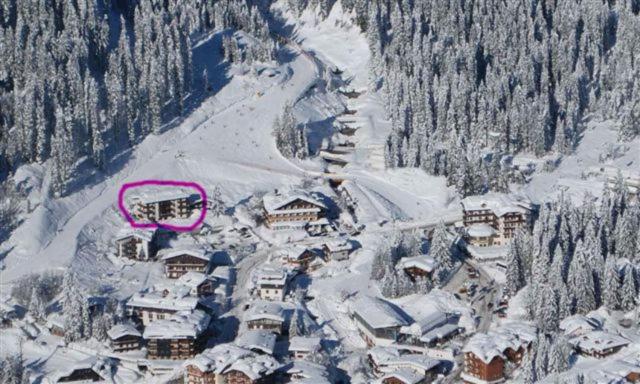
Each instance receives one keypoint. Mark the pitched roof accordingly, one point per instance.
(265, 310)
(143, 234)
(120, 330)
(339, 246)
(257, 339)
(226, 357)
(423, 262)
(487, 346)
(304, 344)
(183, 324)
(275, 201)
(406, 376)
(599, 341)
(378, 313)
(500, 204)
(190, 251)
(174, 300)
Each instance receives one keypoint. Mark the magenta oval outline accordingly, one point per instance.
(174, 183)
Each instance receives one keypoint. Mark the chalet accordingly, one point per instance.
(297, 257)
(124, 338)
(403, 376)
(393, 365)
(230, 364)
(578, 325)
(92, 369)
(417, 267)
(337, 250)
(198, 284)
(180, 261)
(486, 354)
(272, 283)
(599, 344)
(136, 244)
(301, 347)
(264, 315)
(431, 330)
(179, 337)
(378, 321)
(501, 212)
(481, 235)
(160, 206)
(259, 341)
(294, 210)
(55, 324)
(306, 372)
(148, 307)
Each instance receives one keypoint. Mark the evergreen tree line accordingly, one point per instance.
(549, 354)
(12, 370)
(462, 76)
(290, 135)
(83, 80)
(578, 258)
(394, 282)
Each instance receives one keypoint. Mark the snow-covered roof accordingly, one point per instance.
(174, 300)
(155, 196)
(388, 359)
(487, 346)
(226, 357)
(378, 313)
(265, 310)
(55, 320)
(257, 339)
(120, 330)
(499, 204)
(142, 234)
(270, 274)
(405, 375)
(423, 262)
(304, 344)
(480, 230)
(579, 324)
(339, 246)
(100, 366)
(429, 322)
(274, 201)
(181, 325)
(293, 253)
(193, 279)
(598, 341)
(190, 251)
(306, 372)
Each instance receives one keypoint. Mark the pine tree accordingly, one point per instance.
(37, 305)
(217, 204)
(610, 295)
(628, 290)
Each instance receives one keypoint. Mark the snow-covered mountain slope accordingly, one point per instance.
(228, 141)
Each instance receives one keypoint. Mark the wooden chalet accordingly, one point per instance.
(124, 338)
(272, 283)
(92, 369)
(598, 344)
(503, 213)
(417, 267)
(337, 250)
(136, 244)
(486, 354)
(228, 363)
(161, 206)
(295, 210)
(180, 261)
(180, 337)
(297, 257)
(265, 315)
(147, 307)
(378, 321)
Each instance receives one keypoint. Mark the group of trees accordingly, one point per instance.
(578, 258)
(549, 354)
(80, 321)
(394, 282)
(12, 370)
(460, 77)
(36, 291)
(87, 79)
(291, 138)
